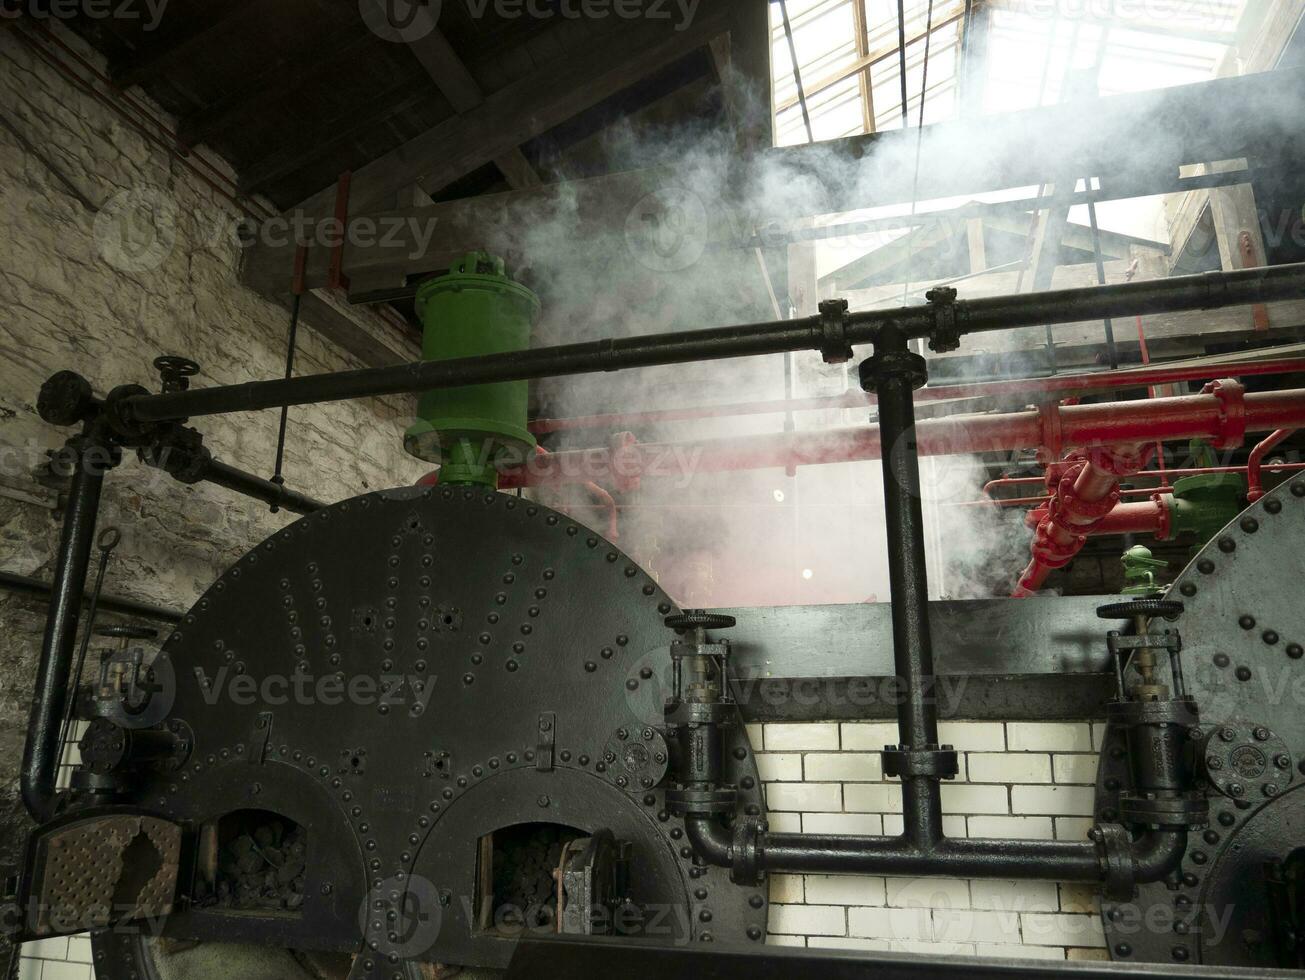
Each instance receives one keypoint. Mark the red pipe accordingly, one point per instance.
(1148, 517)
(1221, 416)
(1254, 486)
(1058, 385)
(1083, 497)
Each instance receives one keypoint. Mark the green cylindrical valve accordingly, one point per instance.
(475, 309)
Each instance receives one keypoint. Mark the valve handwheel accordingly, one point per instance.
(699, 619)
(1168, 608)
(175, 371)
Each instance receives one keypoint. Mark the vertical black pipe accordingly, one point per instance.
(894, 372)
(42, 751)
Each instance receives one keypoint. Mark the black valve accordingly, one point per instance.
(175, 372)
(1168, 608)
(700, 619)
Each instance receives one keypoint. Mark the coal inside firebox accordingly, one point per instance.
(252, 861)
(516, 887)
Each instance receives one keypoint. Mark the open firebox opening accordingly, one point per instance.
(252, 861)
(516, 884)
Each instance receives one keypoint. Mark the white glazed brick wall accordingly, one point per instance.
(1017, 779)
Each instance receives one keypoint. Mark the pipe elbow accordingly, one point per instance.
(710, 840)
(1157, 854)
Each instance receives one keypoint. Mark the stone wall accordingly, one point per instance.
(89, 283)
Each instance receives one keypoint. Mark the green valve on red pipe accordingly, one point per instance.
(475, 309)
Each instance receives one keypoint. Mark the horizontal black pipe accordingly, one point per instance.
(1155, 855)
(249, 485)
(1209, 290)
(35, 587)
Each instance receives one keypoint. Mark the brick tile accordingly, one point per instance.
(872, 798)
(1078, 898)
(776, 767)
(1082, 954)
(967, 925)
(1014, 896)
(785, 823)
(845, 890)
(1049, 736)
(801, 737)
(843, 767)
(973, 736)
(1081, 769)
(804, 796)
(929, 893)
(968, 798)
(809, 920)
(847, 942)
(79, 949)
(29, 969)
(1061, 929)
(786, 890)
(880, 923)
(55, 948)
(869, 824)
(1011, 952)
(773, 940)
(991, 767)
(1073, 828)
(51, 970)
(933, 949)
(1010, 828)
(755, 736)
(871, 735)
(1058, 801)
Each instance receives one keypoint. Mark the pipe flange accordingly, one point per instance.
(1246, 763)
(66, 398)
(834, 347)
(747, 850)
(1115, 852)
(722, 713)
(691, 801)
(131, 433)
(893, 364)
(1173, 711)
(1232, 412)
(938, 761)
(946, 335)
(1167, 812)
(180, 453)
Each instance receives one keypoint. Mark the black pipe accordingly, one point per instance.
(25, 585)
(42, 750)
(269, 492)
(894, 373)
(1209, 290)
(1155, 855)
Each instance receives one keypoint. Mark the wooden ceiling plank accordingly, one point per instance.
(169, 46)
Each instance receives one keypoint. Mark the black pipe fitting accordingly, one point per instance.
(66, 398)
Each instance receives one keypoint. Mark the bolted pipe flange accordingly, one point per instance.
(1115, 851)
(1245, 762)
(1190, 810)
(747, 851)
(180, 452)
(695, 801)
(946, 334)
(936, 761)
(834, 347)
(66, 398)
(130, 432)
(886, 364)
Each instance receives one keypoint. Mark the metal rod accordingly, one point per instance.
(797, 73)
(277, 477)
(25, 585)
(41, 752)
(249, 485)
(1111, 350)
(1210, 290)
